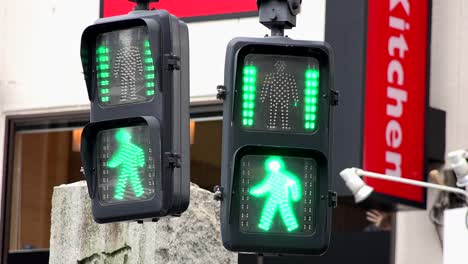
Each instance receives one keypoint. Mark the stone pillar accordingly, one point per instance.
(76, 238)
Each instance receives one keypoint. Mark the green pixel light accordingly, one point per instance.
(129, 157)
(249, 80)
(102, 67)
(283, 189)
(149, 70)
(311, 98)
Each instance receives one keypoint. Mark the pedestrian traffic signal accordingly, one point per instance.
(135, 151)
(276, 146)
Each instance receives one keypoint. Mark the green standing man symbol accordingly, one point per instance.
(283, 188)
(129, 157)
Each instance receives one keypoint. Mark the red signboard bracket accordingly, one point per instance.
(188, 10)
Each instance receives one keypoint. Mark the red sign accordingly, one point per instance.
(184, 8)
(396, 87)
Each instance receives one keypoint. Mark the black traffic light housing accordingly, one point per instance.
(304, 149)
(150, 107)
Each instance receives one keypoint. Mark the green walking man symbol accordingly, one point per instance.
(283, 188)
(129, 157)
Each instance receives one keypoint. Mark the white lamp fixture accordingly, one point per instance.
(458, 163)
(357, 186)
(360, 190)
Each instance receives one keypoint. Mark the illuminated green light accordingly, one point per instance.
(149, 76)
(248, 105)
(312, 74)
(104, 91)
(310, 117)
(248, 113)
(149, 68)
(149, 84)
(283, 189)
(105, 99)
(248, 95)
(103, 58)
(310, 125)
(249, 80)
(150, 92)
(104, 75)
(102, 50)
(103, 66)
(104, 82)
(129, 158)
(149, 60)
(148, 52)
(247, 122)
(249, 88)
(147, 43)
(312, 84)
(308, 92)
(250, 70)
(311, 99)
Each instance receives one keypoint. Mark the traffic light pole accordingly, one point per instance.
(278, 15)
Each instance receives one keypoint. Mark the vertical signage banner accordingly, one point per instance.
(184, 8)
(396, 94)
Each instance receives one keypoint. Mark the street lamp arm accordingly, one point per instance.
(369, 174)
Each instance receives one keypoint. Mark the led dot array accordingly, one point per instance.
(311, 93)
(277, 194)
(102, 67)
(249, 80)
(149, 72)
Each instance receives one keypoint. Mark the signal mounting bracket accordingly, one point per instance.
(172, 62)
(278, 15)
(142, 4)
(172, 160)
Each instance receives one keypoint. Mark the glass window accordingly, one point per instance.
(42, 160)
(45, 157)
